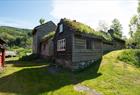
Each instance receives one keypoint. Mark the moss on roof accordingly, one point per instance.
(106, 36)
(48, 36)
(82, 28)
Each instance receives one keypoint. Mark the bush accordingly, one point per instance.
(131, 57)
(29, 57)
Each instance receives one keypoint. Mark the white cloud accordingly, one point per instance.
(92, 11)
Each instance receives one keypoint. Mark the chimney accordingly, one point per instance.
(111, 31)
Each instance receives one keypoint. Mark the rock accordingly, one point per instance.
(82, 88)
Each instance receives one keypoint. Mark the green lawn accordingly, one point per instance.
(32, 78)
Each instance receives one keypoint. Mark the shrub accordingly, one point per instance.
(131, 57)
(29, 57)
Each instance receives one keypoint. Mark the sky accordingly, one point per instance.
(26, 13)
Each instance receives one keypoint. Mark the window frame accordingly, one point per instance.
(61, 45)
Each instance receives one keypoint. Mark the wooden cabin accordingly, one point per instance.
(2, 52)
(74, 49)
(76, 45)
(39, 32)
(73, 45)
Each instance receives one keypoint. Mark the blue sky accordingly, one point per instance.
(26, 13)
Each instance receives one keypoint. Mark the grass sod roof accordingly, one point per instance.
(48, 36)
(82, 28)
(117, 37)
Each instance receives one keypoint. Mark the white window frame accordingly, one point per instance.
(61, 45)
(60, 28)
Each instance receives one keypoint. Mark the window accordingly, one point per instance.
(61, 45)
(88, 44)
(61, 28)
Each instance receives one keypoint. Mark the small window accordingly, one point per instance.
(61, 28)
(88, 44)
(61, 45)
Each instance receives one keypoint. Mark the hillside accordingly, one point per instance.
(16, 37)
(114, 77)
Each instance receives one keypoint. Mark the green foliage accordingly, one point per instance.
(82, 28)
(16, 36)
(131, 57)
(133, 25)
(129, 42)
(21, 51)
(105, 35)
(29, 57)
(117, 27)
(138, 9)
(136, 38)
(79, 26)
(42, 21)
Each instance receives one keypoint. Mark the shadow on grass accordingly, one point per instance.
(18, 63)
(34, 81)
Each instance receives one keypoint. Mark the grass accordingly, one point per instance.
(131, 56)
(48, 36)
(114, 77)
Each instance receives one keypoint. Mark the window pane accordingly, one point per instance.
(61, 28)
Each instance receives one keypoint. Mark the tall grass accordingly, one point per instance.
(131, 56)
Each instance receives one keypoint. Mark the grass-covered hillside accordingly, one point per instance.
(16, 37)
(131, 56)
(114, 77)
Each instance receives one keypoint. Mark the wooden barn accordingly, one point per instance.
(2, 52)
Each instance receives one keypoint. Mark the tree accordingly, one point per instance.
(138, 9)
(133, 25)
(117, 27)
(103, 26)
(135, 28)
(137, 39)
(42, 21)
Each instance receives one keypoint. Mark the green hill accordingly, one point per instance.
(114, 77)
(16, 37)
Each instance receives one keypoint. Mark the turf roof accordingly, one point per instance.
(48, 36)
(82, 28)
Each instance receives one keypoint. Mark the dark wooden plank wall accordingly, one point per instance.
(117, 44)
(81, 53)
(67, 35)
(107, 47)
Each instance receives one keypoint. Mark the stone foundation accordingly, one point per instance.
(74, 66)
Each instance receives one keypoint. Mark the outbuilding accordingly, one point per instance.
(2, 52)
